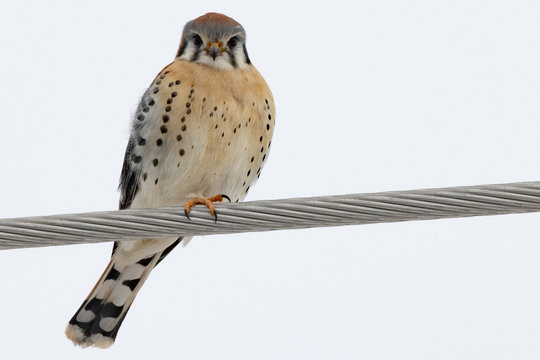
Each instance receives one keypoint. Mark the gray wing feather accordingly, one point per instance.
(131, 173)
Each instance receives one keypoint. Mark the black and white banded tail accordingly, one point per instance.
(97, 321)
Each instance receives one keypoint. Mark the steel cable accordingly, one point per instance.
(298, 213)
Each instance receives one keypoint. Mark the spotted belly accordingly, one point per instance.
(194, 141)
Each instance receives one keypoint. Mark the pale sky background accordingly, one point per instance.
(370, 96)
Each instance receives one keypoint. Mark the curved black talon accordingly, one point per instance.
(226, 197)
(215, 216)
(187, 214)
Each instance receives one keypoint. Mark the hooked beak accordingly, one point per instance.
(214, 49)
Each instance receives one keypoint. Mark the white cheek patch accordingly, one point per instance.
(240, 56)
(188, 53)
(221, 62)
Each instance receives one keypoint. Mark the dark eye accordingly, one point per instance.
(232, 42)
(197, 40)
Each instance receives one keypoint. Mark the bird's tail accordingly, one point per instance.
(97, 321)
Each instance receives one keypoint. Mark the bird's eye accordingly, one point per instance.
(197, 40)
(232, 42)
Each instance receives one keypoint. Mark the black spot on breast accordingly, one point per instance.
(171, 84)
(188, 104)
(267, 127)
(262, 149)
(269, 117)
(155, 181)
(188, 111)
(141, 141)
(183, 127)
(137, 159)
(183, 119)
(181, 152)
(145, 176)
(260, 139)
(177, 82)
(173, 94)
(140, 117)
(178, 137)
(146, 109)
(249, 172)
(151, 102)
(165, 118)
(156, 90)
(155, 162)
(163, 129)
(252, 158)
(169, 101)
(159, 142)
(168, 108)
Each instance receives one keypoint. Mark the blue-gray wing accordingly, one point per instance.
(131, 172)
(129, 178)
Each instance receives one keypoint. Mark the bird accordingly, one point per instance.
(201, 134)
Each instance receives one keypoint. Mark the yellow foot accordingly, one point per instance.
(208, 202)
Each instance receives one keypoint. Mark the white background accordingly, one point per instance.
(371, 96)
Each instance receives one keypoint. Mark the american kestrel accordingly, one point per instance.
(201, 132)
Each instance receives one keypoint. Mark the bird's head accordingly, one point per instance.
(215, 40)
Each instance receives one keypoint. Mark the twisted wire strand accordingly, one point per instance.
(298, 213)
